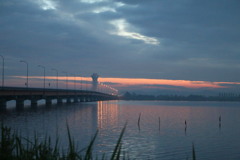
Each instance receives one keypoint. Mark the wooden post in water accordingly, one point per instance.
(193, 152)
(139, 121)
(185, 127)
(219, 121)
(159, 123)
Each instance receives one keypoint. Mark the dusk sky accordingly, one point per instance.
(149, 42)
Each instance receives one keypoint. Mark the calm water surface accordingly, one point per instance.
(168, 140)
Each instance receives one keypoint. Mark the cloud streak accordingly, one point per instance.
(141, 81)
(122, 30)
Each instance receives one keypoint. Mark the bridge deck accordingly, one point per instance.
(34, 94)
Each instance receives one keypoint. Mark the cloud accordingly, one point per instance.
(140, 81)
(182, 83)
(104, 9)
(122, 30)
(47, 4)
(196, 41)
(140, 86)
(93, 1)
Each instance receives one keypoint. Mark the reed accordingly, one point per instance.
(88, 154)
(118, 147)
(15, 147)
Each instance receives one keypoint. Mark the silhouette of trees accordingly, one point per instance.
(220, 97)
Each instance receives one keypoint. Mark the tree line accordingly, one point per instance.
(174, 97)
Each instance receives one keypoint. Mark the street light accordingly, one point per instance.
(66, 79)
(2, 71)
(43, 75)
(57, 77)
(74, 80)
(81, 82)
(27, 72)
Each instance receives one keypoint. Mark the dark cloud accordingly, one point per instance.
(198, 40)
(190, 32)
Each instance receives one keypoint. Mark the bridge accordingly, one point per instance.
(99, 91)
(20, 94)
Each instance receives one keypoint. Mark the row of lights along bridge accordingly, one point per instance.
(96, 86)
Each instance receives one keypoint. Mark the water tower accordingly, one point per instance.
(94, 81)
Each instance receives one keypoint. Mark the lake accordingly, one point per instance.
(159, 133)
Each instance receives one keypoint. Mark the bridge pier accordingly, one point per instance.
(68, 100)
(75, 100)
(81, 99)
(87, 99)
(97, 98)
(48, 102)
(19, 104)
(59, 101)
(20, 94)
(93, 99)
(34, 103)
(3, 104)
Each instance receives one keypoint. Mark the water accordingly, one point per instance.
(168, 140)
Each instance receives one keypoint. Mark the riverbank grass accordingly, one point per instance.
(15, 147)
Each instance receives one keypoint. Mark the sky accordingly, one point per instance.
(196, 43)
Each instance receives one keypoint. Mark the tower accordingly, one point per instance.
(94, 81)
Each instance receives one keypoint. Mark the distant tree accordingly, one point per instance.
(127, 96)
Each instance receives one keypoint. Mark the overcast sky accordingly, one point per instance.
(151, 39)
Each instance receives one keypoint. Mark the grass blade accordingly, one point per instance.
(89, 149)
(118, 145)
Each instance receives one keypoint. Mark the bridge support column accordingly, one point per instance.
(68, 100)
(91, 99)
(81, 99)
(34, 103)
(48, 102)
(3, 105)
(97, 99)
(59, 101)
(87, 99)
(19, 104)
(75, 100)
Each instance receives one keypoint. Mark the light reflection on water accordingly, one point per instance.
(173, 140)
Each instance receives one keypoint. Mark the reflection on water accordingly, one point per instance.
(107, 114)
(173, 140)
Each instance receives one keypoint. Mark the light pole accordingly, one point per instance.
(2, 71)
(66, 79)
(27, 72)
(74, 81)
(57, 77)
(43, 67)
(81, 82)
